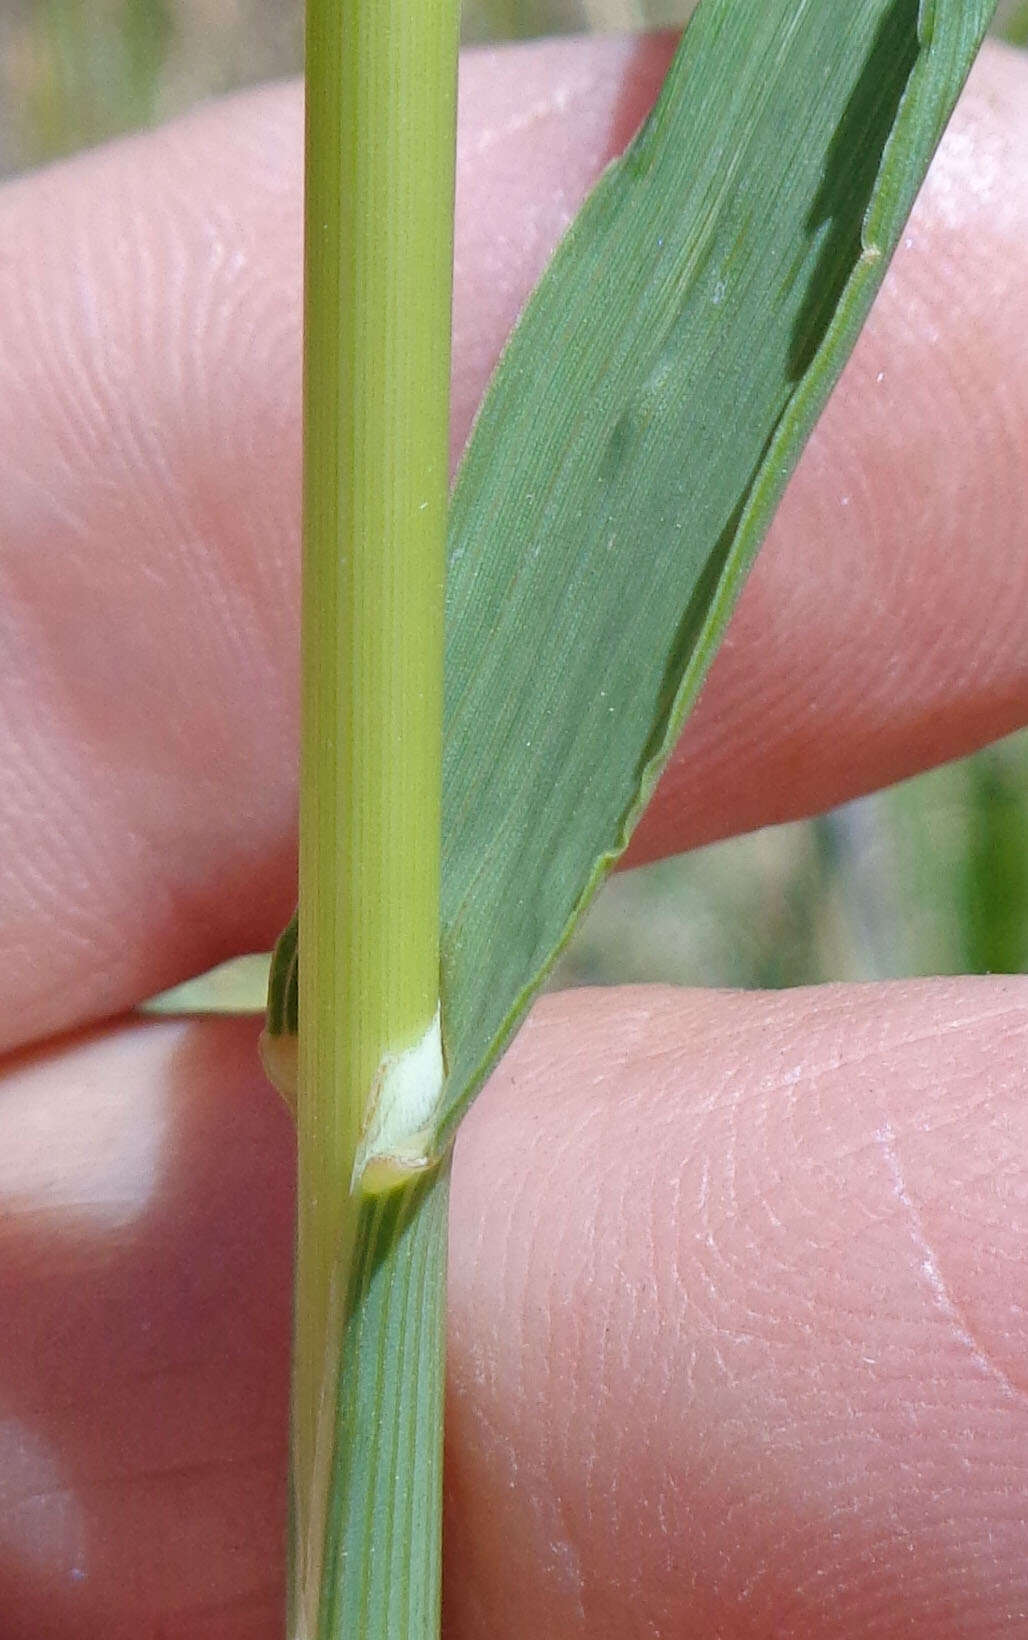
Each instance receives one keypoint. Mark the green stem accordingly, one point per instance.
(381, 92)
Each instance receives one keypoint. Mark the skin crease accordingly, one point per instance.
(737, 1320)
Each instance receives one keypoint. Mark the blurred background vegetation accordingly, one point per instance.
(929, 877)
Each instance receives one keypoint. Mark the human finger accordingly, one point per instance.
(737, 1328)
(738, 1332)
(149, 365)
(149, 509)
(146, 1225)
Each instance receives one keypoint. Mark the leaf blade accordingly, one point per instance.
(734, 288)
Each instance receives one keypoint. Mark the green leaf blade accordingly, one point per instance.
(635, 443)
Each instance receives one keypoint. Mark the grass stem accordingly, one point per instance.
(381, 93)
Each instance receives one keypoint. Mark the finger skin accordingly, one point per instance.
(737, 1326)
(149, 504)
(146, 1230)
(738, 1344)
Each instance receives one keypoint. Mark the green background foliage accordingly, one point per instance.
(930, 877)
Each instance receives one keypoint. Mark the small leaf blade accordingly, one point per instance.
(238, 986)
